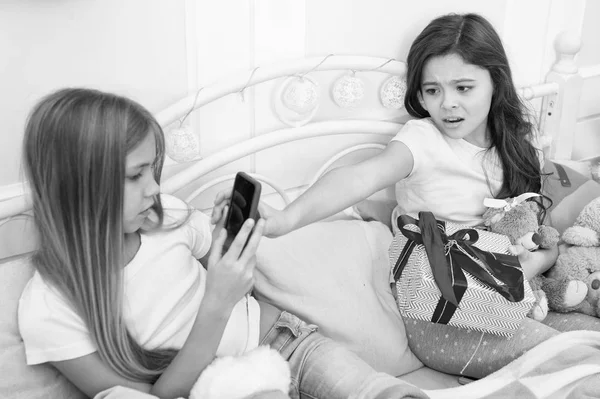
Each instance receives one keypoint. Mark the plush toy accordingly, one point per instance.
(262, 370)
(578, 266)
(517, 218)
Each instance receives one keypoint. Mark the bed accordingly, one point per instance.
(329, 110)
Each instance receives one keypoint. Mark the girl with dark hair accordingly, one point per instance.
(119, 297)
(471, 140)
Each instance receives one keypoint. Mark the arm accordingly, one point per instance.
(92, 375)
(345, 186)
(229, 278)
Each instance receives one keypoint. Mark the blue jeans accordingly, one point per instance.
(322, 368)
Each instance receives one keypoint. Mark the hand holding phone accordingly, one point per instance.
(243, 205)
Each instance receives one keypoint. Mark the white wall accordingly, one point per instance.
(133, 47)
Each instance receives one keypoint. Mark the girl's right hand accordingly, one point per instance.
(231, 276)
(276, 222)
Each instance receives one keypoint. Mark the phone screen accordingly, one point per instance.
(240, 206)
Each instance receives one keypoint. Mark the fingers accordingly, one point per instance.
(216, 251)
(236, 247)
(221, 200)
(516, 249)
(252, 246)
(220, 221)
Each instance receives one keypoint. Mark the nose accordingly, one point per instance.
(152, 188)
(449, 100)
(536, 238)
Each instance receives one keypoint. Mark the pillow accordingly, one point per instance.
(569, 191)
(18, 379)
(335, 275)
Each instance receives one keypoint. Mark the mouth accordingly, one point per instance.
(452, 120)
(146, 211)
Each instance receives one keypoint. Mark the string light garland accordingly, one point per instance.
(392, 92)
(181, 144)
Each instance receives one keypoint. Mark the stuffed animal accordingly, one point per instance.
(517, 218)
(575, 278)
(261, 370)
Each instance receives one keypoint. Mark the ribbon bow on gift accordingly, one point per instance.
(449, 255)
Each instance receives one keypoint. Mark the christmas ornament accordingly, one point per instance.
(182, 145)
(392, 92)
(348, 91)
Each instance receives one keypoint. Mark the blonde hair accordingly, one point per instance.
(75, 145)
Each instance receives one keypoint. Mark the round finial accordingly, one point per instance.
(567, 42)
(567, 45)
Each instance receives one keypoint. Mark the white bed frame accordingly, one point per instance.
(556, 113)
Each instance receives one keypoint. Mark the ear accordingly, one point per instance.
(581, 236)
(534, 206)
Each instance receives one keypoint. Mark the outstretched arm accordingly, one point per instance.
(346, 186)
(334, 192)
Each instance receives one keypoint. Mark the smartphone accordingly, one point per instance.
(243, 205)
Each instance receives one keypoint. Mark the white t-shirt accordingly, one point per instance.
(164, 285)
(450, 177)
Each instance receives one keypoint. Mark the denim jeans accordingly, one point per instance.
(324, 369)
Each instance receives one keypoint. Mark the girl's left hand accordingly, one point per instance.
(231, 274)
(534, 262)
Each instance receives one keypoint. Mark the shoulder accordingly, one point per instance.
(183, 221)
(421, 137)
(417, 133)
(419, 126)
(51, 329)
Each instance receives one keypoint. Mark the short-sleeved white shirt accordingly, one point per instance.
(163, 287)
(450, 177)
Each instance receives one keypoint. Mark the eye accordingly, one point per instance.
(135, 177)
(431, 91)
(463, 89)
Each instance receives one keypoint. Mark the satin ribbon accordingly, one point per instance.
(510, 203)
(449, 255)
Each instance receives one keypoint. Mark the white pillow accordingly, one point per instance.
(335, 275)
(17, 379)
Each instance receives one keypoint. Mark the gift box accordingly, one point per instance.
(456, 275)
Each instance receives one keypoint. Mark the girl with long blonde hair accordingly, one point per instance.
(119, 296)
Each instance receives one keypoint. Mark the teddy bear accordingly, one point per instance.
(517, 218)
(578, 264)
(259, 373)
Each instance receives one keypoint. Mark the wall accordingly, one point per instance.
(133, 47)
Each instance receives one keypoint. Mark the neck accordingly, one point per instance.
(131, 244)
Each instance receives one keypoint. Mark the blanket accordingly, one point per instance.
(565, 366)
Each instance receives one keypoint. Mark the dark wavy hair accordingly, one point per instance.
(473, 38)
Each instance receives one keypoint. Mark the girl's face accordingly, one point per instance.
(458, 97)
(140, 186)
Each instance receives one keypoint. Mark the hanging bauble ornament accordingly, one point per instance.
(182, 145)
(300, 94)
(348, 91)
(392, 92)
(296, 100)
